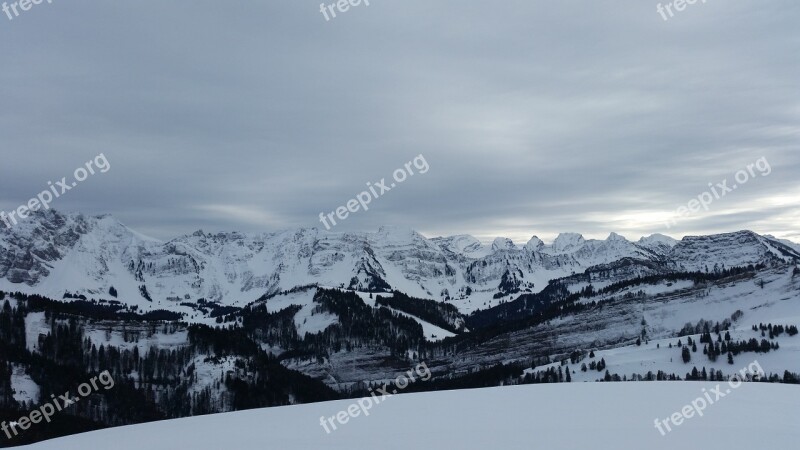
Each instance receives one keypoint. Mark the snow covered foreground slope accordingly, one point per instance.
(618, 416)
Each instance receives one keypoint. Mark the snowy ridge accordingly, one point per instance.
(53, 254)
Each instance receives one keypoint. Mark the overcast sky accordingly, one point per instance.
(535, 117)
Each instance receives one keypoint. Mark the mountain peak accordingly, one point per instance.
(502, 243)
(616, 237)
(658, 238)
(462, 244)
(534, 243)
(568, 241)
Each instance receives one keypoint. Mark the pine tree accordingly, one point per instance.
(686, 355)
(712, 352)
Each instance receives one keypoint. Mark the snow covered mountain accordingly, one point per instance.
(209, 323)
(53, 253)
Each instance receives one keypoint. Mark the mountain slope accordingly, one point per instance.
(53, 254)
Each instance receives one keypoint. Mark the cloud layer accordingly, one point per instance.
(535, 117)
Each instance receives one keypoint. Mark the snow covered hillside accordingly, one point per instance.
(54, 254)
(616, 416)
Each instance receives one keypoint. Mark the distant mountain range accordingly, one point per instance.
(53, 253)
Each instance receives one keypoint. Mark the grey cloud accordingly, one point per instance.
(536, 116)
